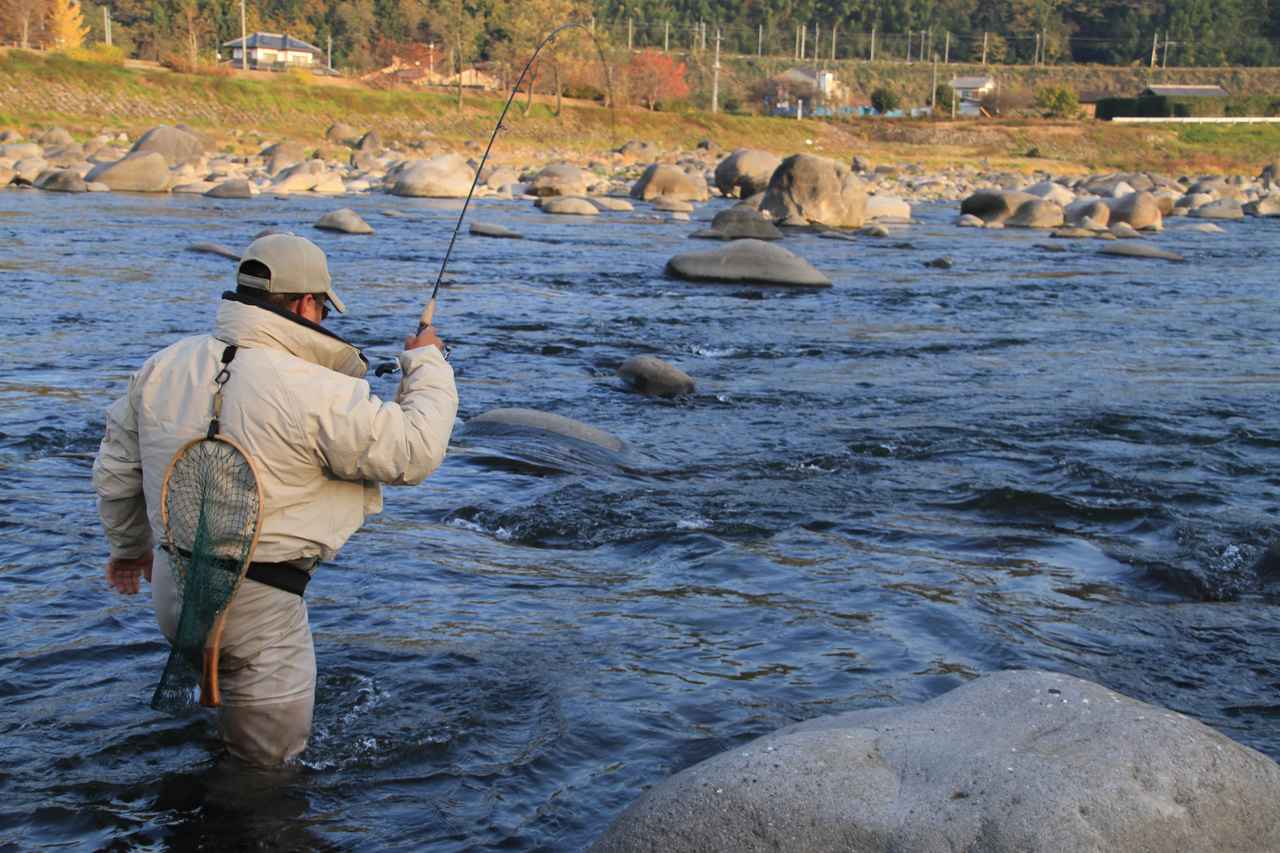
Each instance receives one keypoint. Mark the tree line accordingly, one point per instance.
(364, 34)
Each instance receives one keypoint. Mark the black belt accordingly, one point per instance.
(285, 576)
(289, 576)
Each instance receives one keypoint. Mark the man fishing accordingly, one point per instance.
(293, 397)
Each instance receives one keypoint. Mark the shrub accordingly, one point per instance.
(100, 53)
(1057, 102)
(884, 100)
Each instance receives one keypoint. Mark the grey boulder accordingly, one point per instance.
(1026, 761)
(443, 176)
(746, 172)
(1036, 213)
(562, 179)
(995, 206)
(662, 179)
(145, 172)
(740, 223)
(282, 155)
(817, 190)
(233, 188)
(174, 144)
(61, 181)
(345, 221)
(1225, 209)
(650, 375)
(1140, 210)
(747, 261)
(569, 206)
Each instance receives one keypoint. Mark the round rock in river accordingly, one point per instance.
(650, 375)
(815, 189)
(1026, 761)
(344, 220)
(747, 261)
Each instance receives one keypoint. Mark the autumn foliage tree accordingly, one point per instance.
(654, 78)
(66, 24)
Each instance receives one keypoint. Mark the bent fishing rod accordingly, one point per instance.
(428, 313)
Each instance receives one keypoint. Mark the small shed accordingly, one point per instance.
(1089, 102)
(1180, 91)
(274, 51)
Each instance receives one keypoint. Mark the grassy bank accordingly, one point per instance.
(43, 90)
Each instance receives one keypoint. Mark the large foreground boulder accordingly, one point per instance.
(747, 261)
(746, 172)
(1025, 761)
(805, 188)
(175, 145)
(662, 179)
(140, 173)
(443, 176)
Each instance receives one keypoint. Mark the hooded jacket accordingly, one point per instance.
(297, 403)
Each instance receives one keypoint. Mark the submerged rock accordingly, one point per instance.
(486, 229)
(747, 260)
(1026, 761)
(650, 375)
(568, 206)
(515, 419)
(214, 249)
(739, 223)
(1134, 249)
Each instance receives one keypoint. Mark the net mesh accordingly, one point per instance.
(211, 513)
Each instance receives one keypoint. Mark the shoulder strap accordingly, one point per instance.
(220, 380)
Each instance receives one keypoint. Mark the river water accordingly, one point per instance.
(879, 491)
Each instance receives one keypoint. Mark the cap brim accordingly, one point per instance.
(335, 301)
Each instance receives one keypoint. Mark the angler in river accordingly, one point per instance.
(288, 396)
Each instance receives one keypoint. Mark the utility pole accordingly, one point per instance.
(759, 39)
(872, 57)
(953, 104)
(630, 33)
(803, 33)
(795, 53)
(1164, 62)
(909, 36)
(715, 77)
(933, 95)
(329, 62)
(1155, 40)
(946, 51)
(666, 37)
(431, 61)
(703, 25)
(834, 28)
(1035, 57)
(106, 25)
(816, 42)
(984, 48)
(244, 41)
(1044, 47)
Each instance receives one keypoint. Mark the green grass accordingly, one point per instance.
(291, 106)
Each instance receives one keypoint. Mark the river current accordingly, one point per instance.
(1038, 459)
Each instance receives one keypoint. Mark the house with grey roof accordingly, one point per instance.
(274, 52)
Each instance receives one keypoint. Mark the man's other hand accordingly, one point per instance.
(123, 573)
(426, 338)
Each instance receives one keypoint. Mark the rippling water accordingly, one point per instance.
(1034, 459)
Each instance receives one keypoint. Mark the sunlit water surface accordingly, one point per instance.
(878, 492)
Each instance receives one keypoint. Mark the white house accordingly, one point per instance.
(973, 88)
(823, 83)
(273, 50)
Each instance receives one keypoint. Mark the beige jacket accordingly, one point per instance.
(296, 402)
